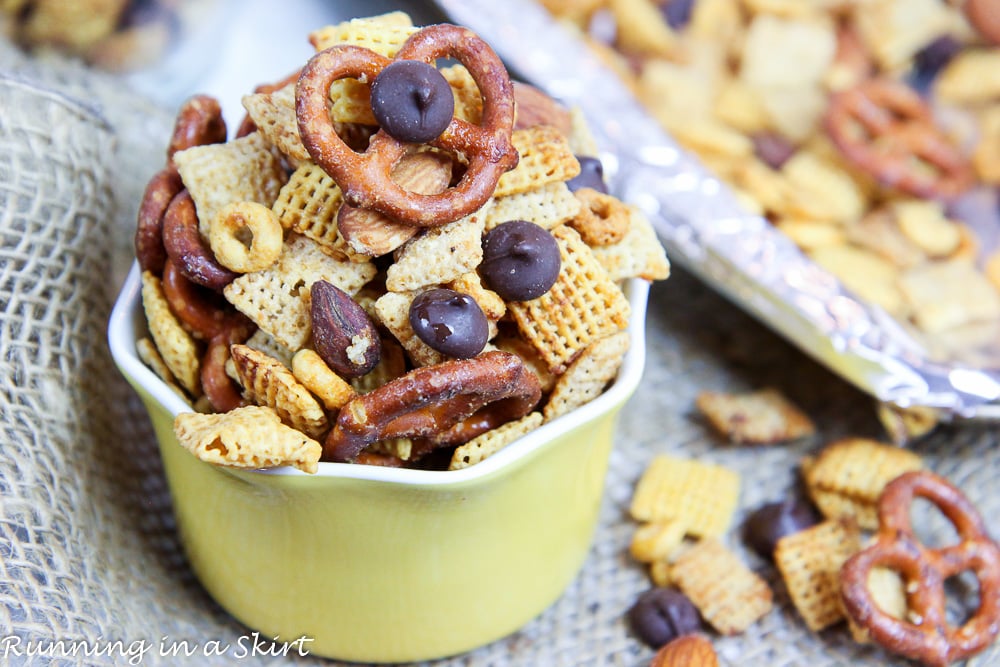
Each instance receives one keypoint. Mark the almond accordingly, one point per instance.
(687, 651)
(373, 234)
(536, 108)
(344, 336)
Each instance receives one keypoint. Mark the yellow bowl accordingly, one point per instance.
(385, 565)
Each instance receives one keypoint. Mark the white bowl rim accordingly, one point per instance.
(122, 336)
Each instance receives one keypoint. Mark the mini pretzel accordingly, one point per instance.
(185, 246)
(446, 403)
(926, 636)
(220, 389)
(265, 242)
(203, 311)
(160, 190)
(364, 177)
(199, 122)
(882, 125)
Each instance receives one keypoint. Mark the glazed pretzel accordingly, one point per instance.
(204, 312)
(187, 249)
(926, 636)
(364, 177)
(446, 403)
(199, 122)
(160, 190)
(882, 125)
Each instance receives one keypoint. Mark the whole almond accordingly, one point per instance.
(373, 234)
(344, 336)
(535, 107)
(687, 651)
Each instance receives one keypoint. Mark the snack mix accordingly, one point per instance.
(867, 131)
(390, 263)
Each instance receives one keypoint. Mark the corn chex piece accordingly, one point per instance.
(948, 294)
(383, 34)
(471, 284)
(274, 116)
(588, 375)
(550, 205)
(175, 345)
(244, 169)
(643, 29)
(308, 204)
(859, 467)
(657, 540)
(468, 100)
(772, 43)
(267, 382)
(439, 254)
(491, 442)
(810, 562)
(545, 157)
(759, 417)
(703, 496)
(925, 224)
(249, 437)
(888, 591)
(728, 594)
(880, 232)
(603, 220)
(638, 255)
(581, 139)
(870, 276)
(310, 369)
(834, 505)
(277, 298)
(393, 311)
(530, 357)
(146, 350)
(583, 305)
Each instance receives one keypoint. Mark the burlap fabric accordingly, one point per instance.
(89, 549)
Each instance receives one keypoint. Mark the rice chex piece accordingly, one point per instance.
(264, 342)
(274, 116)
(384, 34)
(657, 540)
(638, 255)
(314, 374)
(759, 417)
(439, 254)
(701, 495)
(530, 357)
(834, 505)
(308, 204)
(468, 99)
(393, 311)
(277, 298)
(588, 375)
(729, 595)
(175, 345)
(248, 437)
(266, 381)
(583, 305)
(146, 350)
(860, 468)
(810, 562)
(545, 157)
(491, 442)
(550, 205)
(215, 175)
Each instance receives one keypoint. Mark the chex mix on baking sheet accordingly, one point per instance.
(387, 263)
(867, 131)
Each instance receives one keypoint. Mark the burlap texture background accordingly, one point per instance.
(89, 548)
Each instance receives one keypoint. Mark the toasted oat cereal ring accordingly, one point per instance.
(185, 246)
(199, 122)
(222, 393)
(203, 312)
(233, 222)
(885, 128)
(160, 190)
(926, 634)
(364, 177)
(447, 403)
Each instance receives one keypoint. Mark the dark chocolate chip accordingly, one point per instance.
(450, 322)
(677, 12)
(932, 59)
(591, 175)
(773, 149)
(412, 101)
(520, 260)
(661, 615)
(769, 523)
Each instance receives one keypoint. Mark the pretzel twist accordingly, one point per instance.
(926, 634)
(185, 246)
(160, 190)
(203, 312)
(882, 125)
(199, 122)
(447, 403)
(365, 177)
